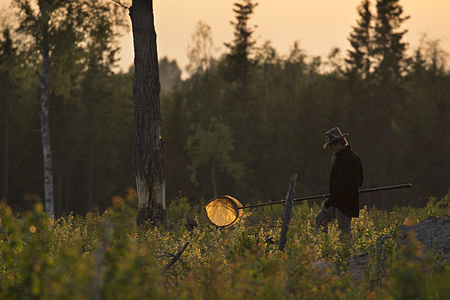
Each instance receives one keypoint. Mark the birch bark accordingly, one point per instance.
(45, 132)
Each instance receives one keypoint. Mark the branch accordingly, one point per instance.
(120, 3)
(177, 257)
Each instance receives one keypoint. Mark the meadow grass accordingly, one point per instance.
(106, 256)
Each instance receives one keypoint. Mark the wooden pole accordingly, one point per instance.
(287, 213)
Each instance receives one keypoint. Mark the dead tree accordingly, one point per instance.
(148, 144)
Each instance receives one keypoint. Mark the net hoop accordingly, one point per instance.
(223, 211)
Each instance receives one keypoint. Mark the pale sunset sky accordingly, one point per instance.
(318, 25)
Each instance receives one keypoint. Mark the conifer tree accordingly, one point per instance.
(358, 59)
(389, 57)
(357, 71)
(241, 48)
(388, 48)
(243, 42)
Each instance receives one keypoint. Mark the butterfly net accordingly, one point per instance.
(224, 210)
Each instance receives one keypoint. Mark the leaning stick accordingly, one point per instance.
(287, 213)
(177, 256)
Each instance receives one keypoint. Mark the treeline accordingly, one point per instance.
(241, 124)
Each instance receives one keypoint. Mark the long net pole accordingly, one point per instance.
(369, 190)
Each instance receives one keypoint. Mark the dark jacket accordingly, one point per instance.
(345, 179)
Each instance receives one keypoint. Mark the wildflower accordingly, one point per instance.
(32, 229)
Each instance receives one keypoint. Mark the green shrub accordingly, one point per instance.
(105, 255)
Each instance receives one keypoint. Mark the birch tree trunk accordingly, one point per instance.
(45, 128)
(148, 146)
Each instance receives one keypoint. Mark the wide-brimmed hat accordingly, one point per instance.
(333, 135)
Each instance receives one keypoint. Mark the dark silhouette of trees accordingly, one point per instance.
(39, 23)
(240, 49)
(169, 73)
(100, 58)
(8, 56)
(358, 71)
(389, 47)
(395, 107)
(389, 64)
(358, 60)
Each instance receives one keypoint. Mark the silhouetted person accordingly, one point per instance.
(345, 179)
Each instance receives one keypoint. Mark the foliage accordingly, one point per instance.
(200, 52)
(272, 111)
(76, 257)
(243, 123)
(213, 147)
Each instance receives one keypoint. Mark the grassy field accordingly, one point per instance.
(104, 256)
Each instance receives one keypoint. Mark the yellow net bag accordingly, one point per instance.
(224, 210)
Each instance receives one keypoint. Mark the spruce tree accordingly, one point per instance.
(243, 42)
(357, 72)
(389, 57)
(240, 50)
(238, 74)
(388, 48)
(358, 59)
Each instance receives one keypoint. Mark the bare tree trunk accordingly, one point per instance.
(6, 151)
(148, 145)
(45, 133)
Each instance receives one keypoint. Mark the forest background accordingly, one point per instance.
(241, 123)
